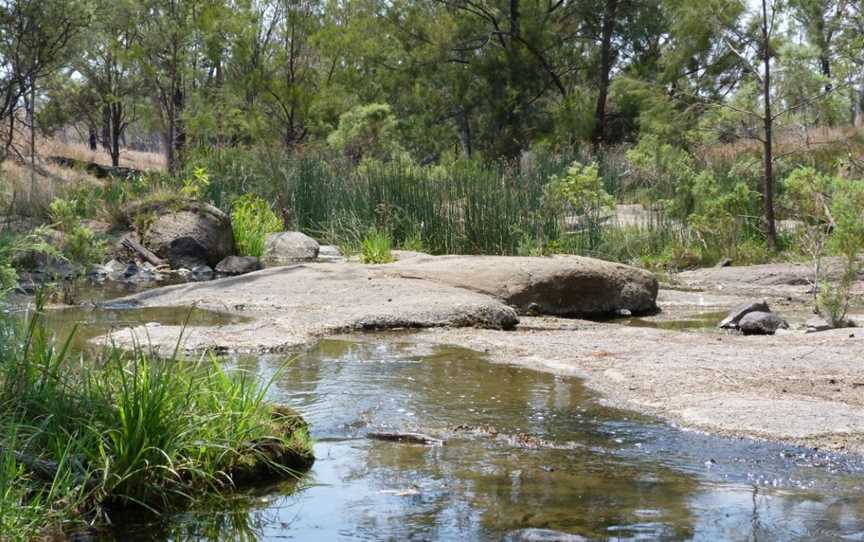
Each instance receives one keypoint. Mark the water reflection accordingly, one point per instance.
(597, 472)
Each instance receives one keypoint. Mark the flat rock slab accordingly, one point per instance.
(294, 305)
(557, 286)
(796, 418)
(803, 389)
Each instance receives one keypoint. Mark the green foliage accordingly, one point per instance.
(131, 430)
(82, 247)
(662, 171)
(65, 214)
(375, 247)
(196, 184)
(830, 211)
(253, 219)
(719, 217)
(367, 131)
(580, 194)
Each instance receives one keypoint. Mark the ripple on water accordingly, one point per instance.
(571, 464)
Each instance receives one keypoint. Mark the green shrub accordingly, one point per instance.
(253, 219)
(375, 248)
(64, 214)
(129, 431)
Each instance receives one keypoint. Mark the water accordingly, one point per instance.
(83, 323)
(559, 461)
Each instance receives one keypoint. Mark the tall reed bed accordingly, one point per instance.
(81, 439)
(465, 207)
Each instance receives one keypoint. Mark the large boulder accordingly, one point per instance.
(186, 233)
(761, 323)
(559, 285)
(287, 247)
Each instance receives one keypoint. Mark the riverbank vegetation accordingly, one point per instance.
(449, 130)
(84, 438)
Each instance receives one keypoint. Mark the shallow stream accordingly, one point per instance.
(559, 461)
(523, 449)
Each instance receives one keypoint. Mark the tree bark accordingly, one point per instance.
(768, 141)
(610, 13)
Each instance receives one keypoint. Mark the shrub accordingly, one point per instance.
(580, 193)
(720, 214)
(375, 248)
(253, 219)
(129, 431)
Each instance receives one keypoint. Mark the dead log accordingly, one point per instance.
(408, 438)
(141, 250)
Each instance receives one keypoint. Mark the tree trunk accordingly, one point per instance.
(610, 13)
(116, 131)
(464, 128)
(768, 143)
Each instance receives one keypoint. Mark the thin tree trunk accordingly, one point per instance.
(610, 13)
(768, 142)
(464, 128)
(116, 131)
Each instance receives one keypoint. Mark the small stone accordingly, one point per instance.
(816, 324)
(202, 273)
(238, 265)
(329, 253)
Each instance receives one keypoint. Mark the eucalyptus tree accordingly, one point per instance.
(109, 71)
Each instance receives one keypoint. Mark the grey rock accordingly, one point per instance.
(188, 233)
(310, 300)
(542, 535)
(816, 324)
(135, 274)
(736, 314)
(238, 265)
(558, 286)
(202, 273)
(761, 323)
(329, 251)
(285, 248)
(98, 273)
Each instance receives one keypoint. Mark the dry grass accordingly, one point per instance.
(145, 161)
(25, 193)
(793, 141)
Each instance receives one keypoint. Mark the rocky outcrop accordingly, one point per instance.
(558, 286)
(761, 323)
(294, 304)
(285, 248)
(238, 265)
(186, 233)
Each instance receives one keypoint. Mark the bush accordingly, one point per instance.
(375, 248)
(253, 219)
(129, 431)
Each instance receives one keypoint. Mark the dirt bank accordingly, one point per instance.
(799, 388)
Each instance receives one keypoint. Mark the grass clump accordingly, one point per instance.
(80, 440)
(376, 247)
(253, 219)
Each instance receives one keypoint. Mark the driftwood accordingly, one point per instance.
(141, 250)
(409, 438)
